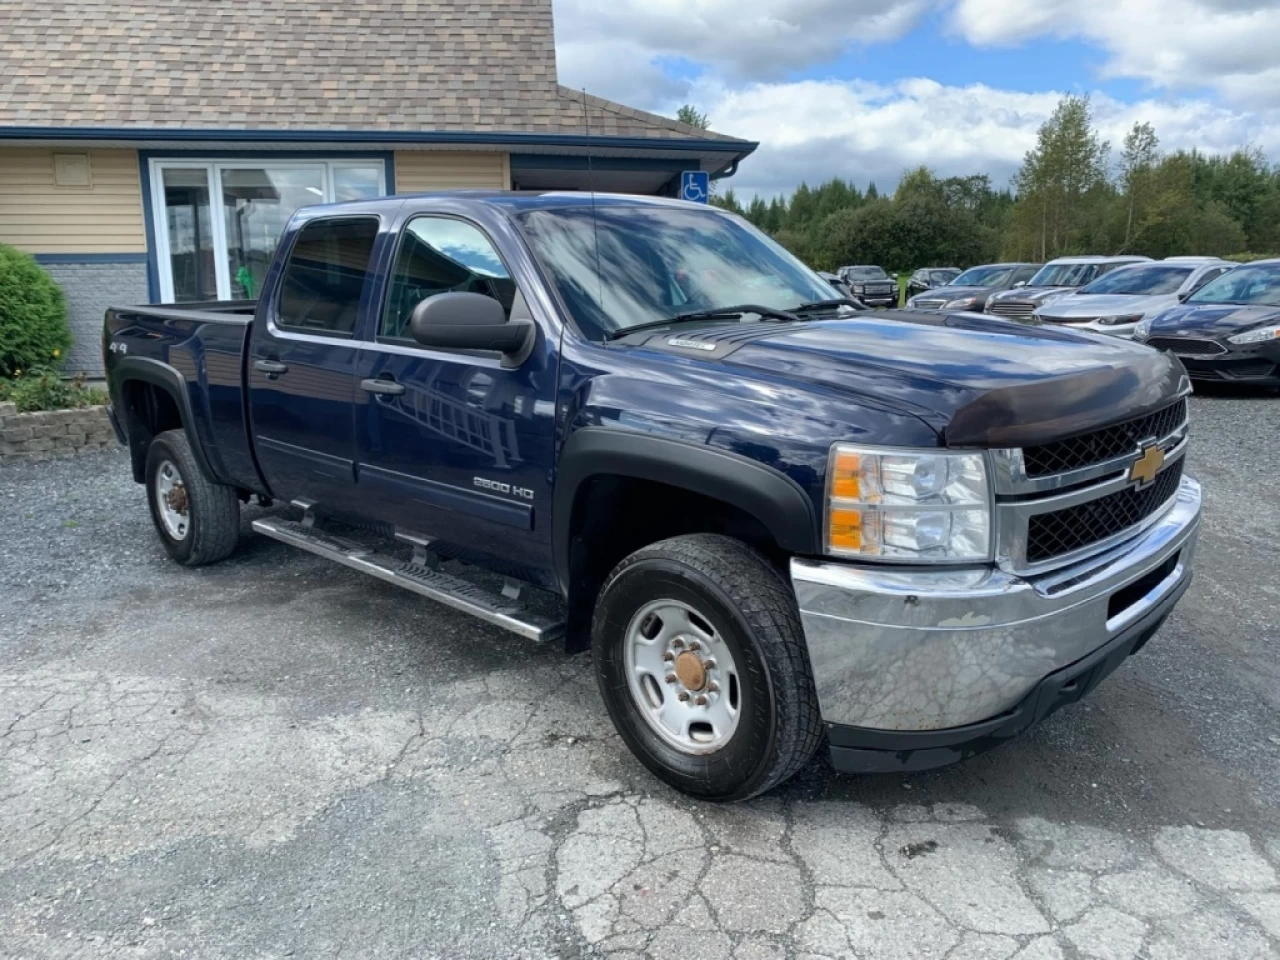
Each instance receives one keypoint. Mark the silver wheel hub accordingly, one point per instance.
(682, 676)
(172, 503)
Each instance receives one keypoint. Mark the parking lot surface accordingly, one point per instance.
(276, 757)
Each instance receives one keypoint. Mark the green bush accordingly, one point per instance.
(46, 390)
(33, 316)
(1250, 257)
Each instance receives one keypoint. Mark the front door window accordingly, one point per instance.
(211, 254)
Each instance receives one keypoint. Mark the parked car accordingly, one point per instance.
(1228, 330)
(776, 524)
(871, 285)
(1117, 302)
(930, 277)
(1056, 278)
(970, 290)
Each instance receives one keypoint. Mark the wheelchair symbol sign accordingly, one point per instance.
(695, 185)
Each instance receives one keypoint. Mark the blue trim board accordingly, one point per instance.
(180, 134)
(53, 258)
(149, 224)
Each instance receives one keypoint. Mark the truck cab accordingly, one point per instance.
(637, 426)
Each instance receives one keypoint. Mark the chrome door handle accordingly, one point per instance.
(382, 386)
(271, 366)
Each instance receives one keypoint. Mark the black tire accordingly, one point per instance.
(753, 609)
(212, 509)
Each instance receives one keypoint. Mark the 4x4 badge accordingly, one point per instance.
(1144, 470)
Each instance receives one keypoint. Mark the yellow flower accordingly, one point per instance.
(17, 373)
(57, 353)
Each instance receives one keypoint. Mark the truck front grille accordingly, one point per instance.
(1011, 309)
(1065, 531)
(1099, 446)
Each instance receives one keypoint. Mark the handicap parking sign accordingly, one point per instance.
(695, 185)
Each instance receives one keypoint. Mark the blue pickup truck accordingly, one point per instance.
(641, 427)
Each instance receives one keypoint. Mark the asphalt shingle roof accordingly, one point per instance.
(396, 65)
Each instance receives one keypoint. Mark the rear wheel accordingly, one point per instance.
(198, 520)
(700, 658)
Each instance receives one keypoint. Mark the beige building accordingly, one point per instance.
(152, 150)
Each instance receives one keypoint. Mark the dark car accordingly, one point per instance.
(970, 290)
(640, 427)
(930, 277)
(871, 285)
(1228, 330)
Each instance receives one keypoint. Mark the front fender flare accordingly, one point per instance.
(767, 494)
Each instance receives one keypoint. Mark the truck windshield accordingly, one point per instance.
(865, 273)
(627, 265)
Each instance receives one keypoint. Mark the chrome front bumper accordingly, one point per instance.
(913, 649)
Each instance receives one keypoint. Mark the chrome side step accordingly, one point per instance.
(500, 609)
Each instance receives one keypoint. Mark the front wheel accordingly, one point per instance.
(198, 520)
(700, 658)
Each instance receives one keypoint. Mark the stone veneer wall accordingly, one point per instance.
(53, 433)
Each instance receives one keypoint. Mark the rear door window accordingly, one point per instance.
(325, 276)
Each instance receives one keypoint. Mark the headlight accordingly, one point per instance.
(927, 507)
(1117, 321)
(859, 287)
(964, 303)
(1143, 329)
(1256, 336)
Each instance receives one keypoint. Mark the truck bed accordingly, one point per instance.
(206, 344)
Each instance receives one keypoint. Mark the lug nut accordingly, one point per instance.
(712, 687)
(701, 701)
(677, 643)
(694, 645)
(670, 678)
(684, 696)
(668, 656)
(709, 663)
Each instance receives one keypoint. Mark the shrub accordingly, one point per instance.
(46, 390)
(33, 316)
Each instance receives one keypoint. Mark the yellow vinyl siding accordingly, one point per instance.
(418, 171)
(38, 216)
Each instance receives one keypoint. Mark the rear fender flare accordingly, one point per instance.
(171, 382)
(769, 495)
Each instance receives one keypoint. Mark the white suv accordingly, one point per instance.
(1119, 301)
(1056, 278)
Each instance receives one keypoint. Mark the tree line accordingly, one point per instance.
(1072, 195)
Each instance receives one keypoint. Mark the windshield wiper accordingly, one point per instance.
(714, 313)
(816, 305)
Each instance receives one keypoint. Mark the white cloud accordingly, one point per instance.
(746, 39)
(1226, 45)
(814, 130)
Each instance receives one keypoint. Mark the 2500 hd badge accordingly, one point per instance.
(497, 486)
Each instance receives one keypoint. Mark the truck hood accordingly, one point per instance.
(1212, 320)
(1083, 306)
(977, 380)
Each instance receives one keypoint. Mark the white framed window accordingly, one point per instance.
(217, 222)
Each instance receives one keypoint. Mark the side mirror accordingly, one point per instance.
(468, 321)
(1020, 283)
(1185, 296)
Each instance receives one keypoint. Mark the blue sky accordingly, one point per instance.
(867, 88)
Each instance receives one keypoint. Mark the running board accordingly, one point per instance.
(496, 608)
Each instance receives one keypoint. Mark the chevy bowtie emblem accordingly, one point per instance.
(1144, 471)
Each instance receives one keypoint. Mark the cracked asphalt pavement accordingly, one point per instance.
(277, 757)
